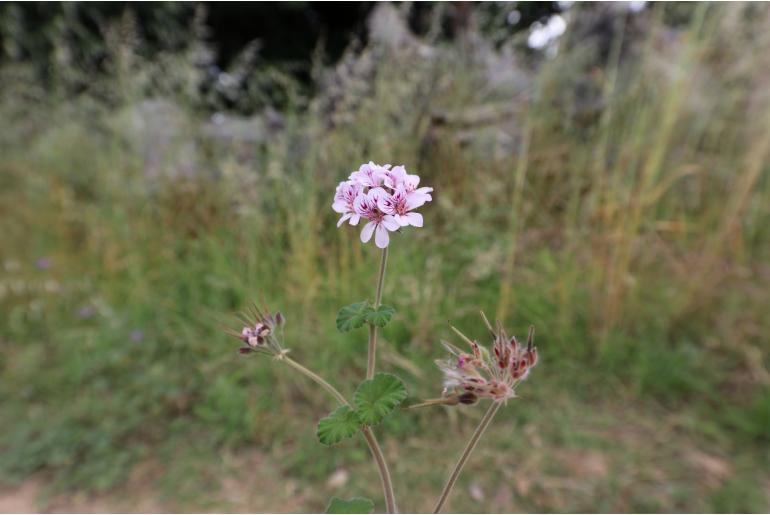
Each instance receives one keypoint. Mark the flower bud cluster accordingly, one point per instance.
(262, 332)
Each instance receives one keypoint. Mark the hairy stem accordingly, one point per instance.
(485, 420)
(374, 447)
(387, 485)
(372, 356)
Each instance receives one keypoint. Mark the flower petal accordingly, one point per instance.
(343, 218)
(425, 192)
(390, 223)
(354, 219)
(411, 180)
(366, 232)
(381, 238)
(360, 205)
(385, 203)
(414, 201)
(414, 219)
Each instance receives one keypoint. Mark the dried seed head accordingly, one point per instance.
(489, 374)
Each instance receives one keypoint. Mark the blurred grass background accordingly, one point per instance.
(611, 190)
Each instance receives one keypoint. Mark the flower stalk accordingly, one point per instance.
(320, 381)
(372, 355)
(371, 440)
(475, 437)
(387, 484)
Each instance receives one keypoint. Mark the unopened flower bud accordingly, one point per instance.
(467, 398)
(532, 356)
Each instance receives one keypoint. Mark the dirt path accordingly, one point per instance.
(28, 498)
(22, 499)
(286, 496)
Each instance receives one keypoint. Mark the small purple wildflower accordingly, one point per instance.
(43, 263)
(86, 312)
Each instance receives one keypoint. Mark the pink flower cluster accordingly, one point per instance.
(385, 196)
(494, 375)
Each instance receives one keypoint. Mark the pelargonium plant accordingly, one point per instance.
(384, 199)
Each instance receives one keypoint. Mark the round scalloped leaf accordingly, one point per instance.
(380, 316)
(353, 316)
(378, 397)
(354, 505)
(340, 424)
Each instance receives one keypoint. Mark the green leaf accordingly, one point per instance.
(353, 316)
(342, 423)
(354, 505)
(376, 398)
(380, 316)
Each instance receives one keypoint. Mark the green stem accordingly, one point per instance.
(374, 447)
(318, 379)
(372, 355)
(485, 420)
(381, 277)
